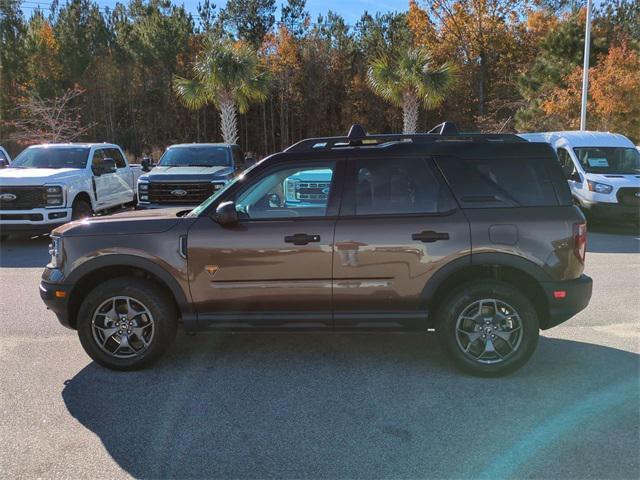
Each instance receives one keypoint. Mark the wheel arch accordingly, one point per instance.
(86, 277)
(518, 271)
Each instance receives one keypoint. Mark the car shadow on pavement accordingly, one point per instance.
(24, 252)
(364, 406)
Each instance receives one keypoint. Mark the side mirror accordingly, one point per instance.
(249, 162)
(108, 166)
(226, 214)
(575, 177)
(146, 164)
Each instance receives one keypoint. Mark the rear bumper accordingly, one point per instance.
(55, 301)
(576, 298)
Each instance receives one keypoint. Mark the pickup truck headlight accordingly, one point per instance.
(54, 196)
(55, 250)
(143, 191)
(217, 185)
(599, 187)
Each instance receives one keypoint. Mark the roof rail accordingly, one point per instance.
(358, 137)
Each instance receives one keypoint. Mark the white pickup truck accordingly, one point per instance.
(48, 185)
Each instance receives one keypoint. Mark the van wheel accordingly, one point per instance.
(81, 209)
(488, 328)
(127, 323)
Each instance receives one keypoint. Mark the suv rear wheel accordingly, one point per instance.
(126, 323)
(488, 327)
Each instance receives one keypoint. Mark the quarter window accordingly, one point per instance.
(499, 182)
(399, 186)
(288, 192)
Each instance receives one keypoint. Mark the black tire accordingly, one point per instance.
(146, 293)
(81, 209)
(463, 298)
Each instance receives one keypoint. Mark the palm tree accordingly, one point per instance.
(229, 75)
(408, 80)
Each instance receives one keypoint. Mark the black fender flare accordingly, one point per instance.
(477, 260)
(124, 260)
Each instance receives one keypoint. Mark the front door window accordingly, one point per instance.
(288, 192)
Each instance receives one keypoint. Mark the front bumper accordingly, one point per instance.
(576, 298)
(56, 295)
(156, 206)
(35, 221)
(612, 211)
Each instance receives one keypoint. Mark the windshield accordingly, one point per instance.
(52, 157)
(196, 156)
(617, 160)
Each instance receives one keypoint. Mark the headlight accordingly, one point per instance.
(143, 191)
(54, 196)
(217, 185)
(55, 250)
(599, 187)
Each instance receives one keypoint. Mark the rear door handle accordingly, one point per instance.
(429, 236)
(301, 239)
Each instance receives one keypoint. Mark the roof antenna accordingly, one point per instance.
(357, 132)
(445, 128)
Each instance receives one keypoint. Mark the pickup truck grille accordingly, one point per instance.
(303, 191)
(22, 198)
(187, 193)
(629, 196)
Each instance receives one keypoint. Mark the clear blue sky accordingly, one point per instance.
(351, 10)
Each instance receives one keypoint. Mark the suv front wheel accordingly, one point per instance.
(488, 327)
(126, 323)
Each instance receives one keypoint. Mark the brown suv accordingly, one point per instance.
(473, 235)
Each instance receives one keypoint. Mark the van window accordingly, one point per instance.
(620, 160)
(566, 162)
(499, 182)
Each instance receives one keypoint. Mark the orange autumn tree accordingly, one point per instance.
(614, 95)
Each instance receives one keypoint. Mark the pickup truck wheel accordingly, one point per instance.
(488, 328)
(81, 209)
(126, 323)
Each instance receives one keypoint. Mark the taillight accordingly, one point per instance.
(580, 240)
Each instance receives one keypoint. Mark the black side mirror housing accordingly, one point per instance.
(226, 214)
(108, 165)
(146, 164)
(575, 177)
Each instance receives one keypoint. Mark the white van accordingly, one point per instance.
(603, 171)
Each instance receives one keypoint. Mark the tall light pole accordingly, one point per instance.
(585, 69)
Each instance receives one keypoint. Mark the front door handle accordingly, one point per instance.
(301, 239)
(429, 236)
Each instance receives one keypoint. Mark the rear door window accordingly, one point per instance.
(502, 182)
(392, 186)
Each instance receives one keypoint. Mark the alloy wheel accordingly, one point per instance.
(122, 327)
(489, 331)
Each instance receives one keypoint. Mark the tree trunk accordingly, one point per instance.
(228, 121)
(410, 113)
(482, 80)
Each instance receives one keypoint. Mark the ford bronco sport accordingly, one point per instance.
(472, 235)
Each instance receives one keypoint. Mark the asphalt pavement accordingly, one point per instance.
(323, 406)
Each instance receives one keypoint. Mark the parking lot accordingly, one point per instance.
(331, 406)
